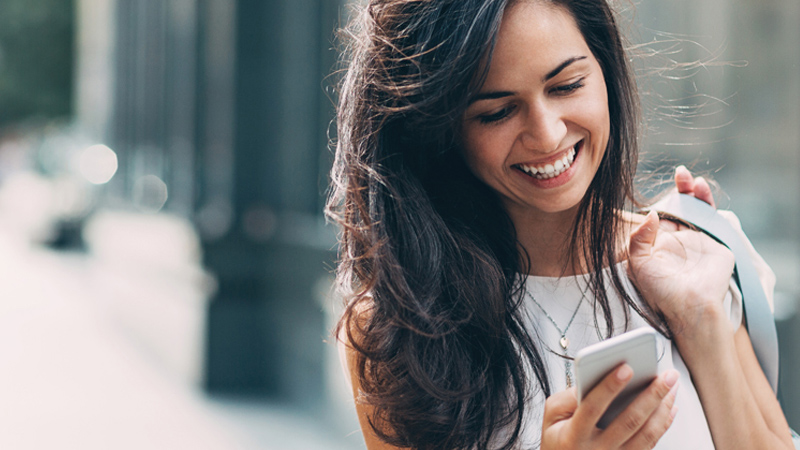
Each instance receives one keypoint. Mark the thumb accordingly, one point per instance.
(644, 236)
(560, 406)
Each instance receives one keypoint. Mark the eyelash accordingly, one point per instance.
(497, 116)
(572, 87)
(502, 114)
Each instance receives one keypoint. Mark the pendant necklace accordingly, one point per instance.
(564, 341)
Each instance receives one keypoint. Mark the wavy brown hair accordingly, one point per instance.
(429, 260)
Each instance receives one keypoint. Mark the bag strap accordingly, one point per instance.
(758, 315)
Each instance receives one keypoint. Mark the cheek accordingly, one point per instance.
(593, 116)
(486, 147)
(475, 150)
(476, 159)
(603, 116)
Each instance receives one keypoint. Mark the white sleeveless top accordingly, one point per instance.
(560, 298)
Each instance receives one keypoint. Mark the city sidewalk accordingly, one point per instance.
(70, 378)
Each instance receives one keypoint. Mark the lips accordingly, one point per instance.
(551, 169)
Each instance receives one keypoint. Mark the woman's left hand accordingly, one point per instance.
(685, 275)
(682, 274)
(696, 187)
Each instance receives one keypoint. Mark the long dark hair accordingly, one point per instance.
(429, 260)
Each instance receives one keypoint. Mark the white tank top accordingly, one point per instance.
(560, 298)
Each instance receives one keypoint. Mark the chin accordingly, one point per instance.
(567, 203)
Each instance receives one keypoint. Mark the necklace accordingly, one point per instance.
(564, 341)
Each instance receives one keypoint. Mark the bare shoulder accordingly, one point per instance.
(354, 321)
(350, 339)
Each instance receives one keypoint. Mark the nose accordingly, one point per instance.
(545, 129)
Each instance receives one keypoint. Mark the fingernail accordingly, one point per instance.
(673, 392)
(624, 373)
(673, 412)
(671, 378)
(681, 168)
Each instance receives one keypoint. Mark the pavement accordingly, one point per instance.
(72, 378)
(102, 350)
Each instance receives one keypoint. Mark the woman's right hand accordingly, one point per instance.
(570, 426)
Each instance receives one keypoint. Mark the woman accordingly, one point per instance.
(483, 182)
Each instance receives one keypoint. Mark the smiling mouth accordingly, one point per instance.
(552, 169)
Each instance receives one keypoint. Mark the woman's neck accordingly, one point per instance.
(547, 239)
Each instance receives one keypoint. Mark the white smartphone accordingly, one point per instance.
(637, 348)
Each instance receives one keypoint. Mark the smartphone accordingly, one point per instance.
(637, 348)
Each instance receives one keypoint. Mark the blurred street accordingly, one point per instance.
(165, 263)
(72, 378)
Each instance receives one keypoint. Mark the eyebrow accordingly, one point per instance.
(561, 67)
(550, 75)
(490, 96)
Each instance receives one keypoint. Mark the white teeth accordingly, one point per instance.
(551, 170)
(530, 170)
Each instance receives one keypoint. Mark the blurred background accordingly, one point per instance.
(163, 167)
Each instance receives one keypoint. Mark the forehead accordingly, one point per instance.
(534, 37)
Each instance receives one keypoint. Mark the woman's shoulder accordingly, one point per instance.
(350, 335)
(354, 320)
(350, 338)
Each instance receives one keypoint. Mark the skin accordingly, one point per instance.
(698, 187)
(682, 274)
(540, 119)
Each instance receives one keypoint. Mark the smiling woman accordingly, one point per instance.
(538, 129)
(483, 183)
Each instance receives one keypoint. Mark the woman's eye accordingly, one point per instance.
(568, 88)
(497, 115)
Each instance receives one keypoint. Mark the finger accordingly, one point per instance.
(684, 180)
(702, 191)
(631, 421)
(657, 424)
(560, 406)
(644, 236)
(596, 402)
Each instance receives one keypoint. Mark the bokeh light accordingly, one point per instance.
(150, 193)
(98, 164)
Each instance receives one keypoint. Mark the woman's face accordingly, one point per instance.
(537, 130)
